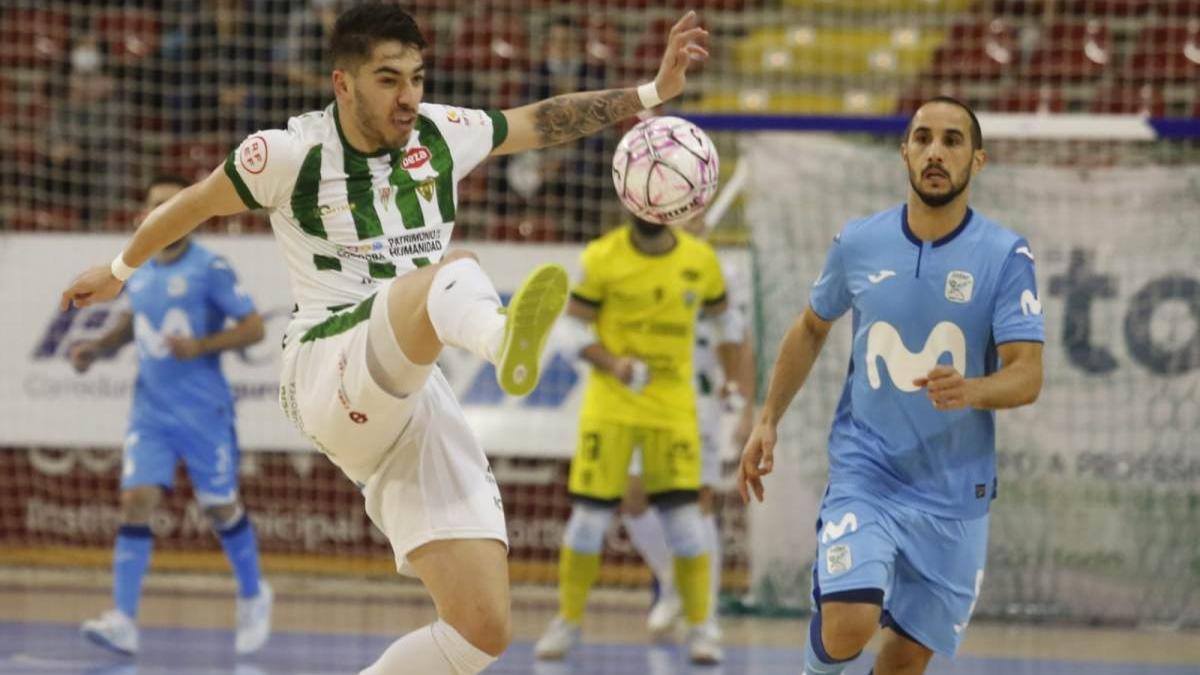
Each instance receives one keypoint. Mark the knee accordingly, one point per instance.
(459, 254)
(846, 628)
(223, 516)
(488, 628)
(137, 504)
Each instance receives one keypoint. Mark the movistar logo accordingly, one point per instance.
(884, 342)
(833, 531)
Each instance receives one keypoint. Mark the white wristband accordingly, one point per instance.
(120, 270)
(648, 93)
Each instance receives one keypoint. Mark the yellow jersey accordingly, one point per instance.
(647, 308)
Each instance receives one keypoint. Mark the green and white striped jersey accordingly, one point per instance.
(348, 222)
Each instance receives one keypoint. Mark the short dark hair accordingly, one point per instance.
(976, 131)
(167, 179)
(360, 28)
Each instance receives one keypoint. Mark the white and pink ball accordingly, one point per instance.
(665, 170)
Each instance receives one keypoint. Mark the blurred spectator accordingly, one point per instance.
(219, 64)
(567, 183)
(301, 57)
(87, 150)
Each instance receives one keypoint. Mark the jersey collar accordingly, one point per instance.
(917, 241)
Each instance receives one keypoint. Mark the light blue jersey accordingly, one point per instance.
(183, 409)
(918, 304)
(191, 296)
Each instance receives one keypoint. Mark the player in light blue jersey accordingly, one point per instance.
(178, 306)
(947, 328)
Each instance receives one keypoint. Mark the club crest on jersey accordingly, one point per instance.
(959, 285)
(838, 560)
(415, 158)
(253, 154)
(425, 189)
(453, 116)
(176, 286)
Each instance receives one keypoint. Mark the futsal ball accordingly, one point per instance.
(665, 170)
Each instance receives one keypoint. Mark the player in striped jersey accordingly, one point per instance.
(363, 199)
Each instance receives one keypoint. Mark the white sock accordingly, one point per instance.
(714, 548)
(436, 649)
(649, 537)
(464, 309)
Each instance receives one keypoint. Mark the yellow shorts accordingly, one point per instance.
(600, 468)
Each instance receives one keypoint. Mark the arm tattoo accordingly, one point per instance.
(571, 116)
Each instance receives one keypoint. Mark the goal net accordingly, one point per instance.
(1097, 516)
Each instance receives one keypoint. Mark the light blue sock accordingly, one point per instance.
(241, 547)
(131, 557)
(816, 660)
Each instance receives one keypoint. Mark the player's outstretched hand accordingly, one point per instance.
(946, 388)
(758, 460)
(686, 41)
(94, 285)
(183, 348)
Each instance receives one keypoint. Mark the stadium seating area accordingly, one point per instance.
(93, 103)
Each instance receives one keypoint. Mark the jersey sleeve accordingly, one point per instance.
(590, 287)
(264, 167)
(1017, 316)
(470, 134)
(830, 295)
(714, 278)
(225, 292)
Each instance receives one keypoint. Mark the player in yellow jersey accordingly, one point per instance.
(633, 318)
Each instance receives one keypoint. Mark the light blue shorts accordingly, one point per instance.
(152, 452)
(929, 568)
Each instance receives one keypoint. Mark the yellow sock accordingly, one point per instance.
(691, 578)
(576, 574)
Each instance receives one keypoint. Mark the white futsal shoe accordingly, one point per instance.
(664, 614)
(560, 637)
(254, 620)
(704, 645)
(114, 631)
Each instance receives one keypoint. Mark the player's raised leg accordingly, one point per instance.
(468, 579)
(455, 303)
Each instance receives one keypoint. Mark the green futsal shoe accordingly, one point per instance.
(530, 315)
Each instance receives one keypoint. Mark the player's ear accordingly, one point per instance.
(978, 159)
(341, 83)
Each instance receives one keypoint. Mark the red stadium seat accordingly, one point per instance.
(977, 51)
(1107, 8)
(129, 35)
(1072, 51)
(44, 219)
(195, 159)
(1043, 99)
(524, 228)
(1166, 53)
(1015, 8)
(1141, 100)
(24, 105)
(913, 97)
(33, 38)
(488, 42)
(1177, 9)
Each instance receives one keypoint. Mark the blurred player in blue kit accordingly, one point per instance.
(177, 309)
(947, 328)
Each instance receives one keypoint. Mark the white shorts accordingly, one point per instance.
(423, 473)
(709, 411)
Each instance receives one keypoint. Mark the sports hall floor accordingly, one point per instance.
(324, 627)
